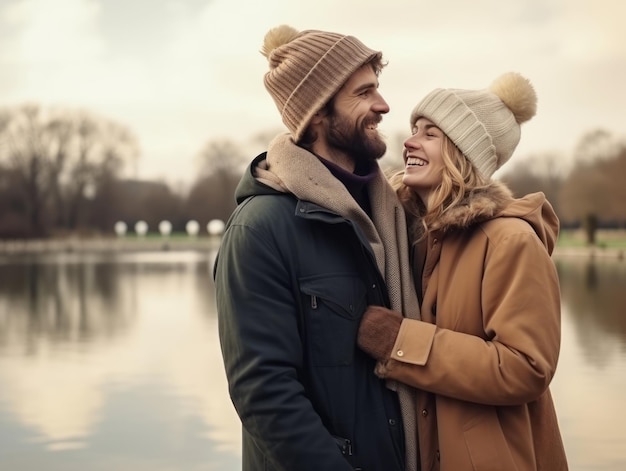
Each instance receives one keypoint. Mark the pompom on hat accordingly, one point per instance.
(307, 69)
(484, 124)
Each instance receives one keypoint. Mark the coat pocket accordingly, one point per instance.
(487, 447)
(333, 306)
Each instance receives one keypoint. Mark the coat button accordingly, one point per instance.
(400, 353)
(392, 422)
(424, 413)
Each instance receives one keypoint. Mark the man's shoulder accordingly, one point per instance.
(260, 210)
(276, 201)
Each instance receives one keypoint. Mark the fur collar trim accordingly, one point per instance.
(479, 206)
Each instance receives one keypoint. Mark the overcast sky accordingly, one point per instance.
(181, 73)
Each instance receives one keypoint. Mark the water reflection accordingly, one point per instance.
(594, 292)
(112, 358)
(591, 378)
(112, 362)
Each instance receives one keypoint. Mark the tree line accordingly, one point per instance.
(61, 173)
(590, 192)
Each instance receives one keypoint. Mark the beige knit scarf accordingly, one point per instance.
(293, 169)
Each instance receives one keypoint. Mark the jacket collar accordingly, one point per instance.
(476, 207)
(495, 201)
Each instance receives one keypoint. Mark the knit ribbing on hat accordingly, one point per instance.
(483, 124)
(450, 113)
(308, 71)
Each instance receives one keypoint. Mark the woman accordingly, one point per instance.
(486, 347)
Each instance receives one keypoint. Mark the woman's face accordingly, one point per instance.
(423, 162)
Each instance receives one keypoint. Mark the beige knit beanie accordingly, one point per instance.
(306, 70)
(484, 124)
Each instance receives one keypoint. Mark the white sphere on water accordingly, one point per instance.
(215, 227)
(141, 228)
(120, 228)
(165, 228)
(192, 228)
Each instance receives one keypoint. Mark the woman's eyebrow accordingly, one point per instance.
(426, 127)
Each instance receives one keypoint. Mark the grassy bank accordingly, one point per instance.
(605, 239)
(608, 243)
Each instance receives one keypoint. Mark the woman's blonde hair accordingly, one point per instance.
(458, 180)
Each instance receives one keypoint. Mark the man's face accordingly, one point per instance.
(352, 125)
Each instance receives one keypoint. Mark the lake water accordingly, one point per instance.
(112, 362)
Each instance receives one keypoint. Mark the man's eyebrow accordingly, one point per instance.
(365, 86)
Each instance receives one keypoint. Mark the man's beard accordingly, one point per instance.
(353, 139)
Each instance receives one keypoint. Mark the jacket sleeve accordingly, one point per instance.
(258, 327)
(515, 360)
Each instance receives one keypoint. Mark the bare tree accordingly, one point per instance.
(212, 196)
(540, 172)
(61, 156)
(24, 141)
(593, 193)
(615, 189)
(100, 148)
(596, 145)
(13, 219)
(220, 157)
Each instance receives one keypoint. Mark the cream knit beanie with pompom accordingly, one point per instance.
(484, 124)
(307, 69)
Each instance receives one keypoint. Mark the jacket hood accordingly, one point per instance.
(250, 185)
(496, 200)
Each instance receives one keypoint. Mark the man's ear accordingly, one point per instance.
(318, 117)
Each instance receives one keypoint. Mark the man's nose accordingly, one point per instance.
(380, 106)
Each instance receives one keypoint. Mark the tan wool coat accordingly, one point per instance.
(486, 347)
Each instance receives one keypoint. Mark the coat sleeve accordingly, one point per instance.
(513, 362)
(262, 352)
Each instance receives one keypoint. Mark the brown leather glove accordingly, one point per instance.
(378, 331)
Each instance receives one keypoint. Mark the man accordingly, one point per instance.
(318, 235)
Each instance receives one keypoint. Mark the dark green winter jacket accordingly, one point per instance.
(292, 282)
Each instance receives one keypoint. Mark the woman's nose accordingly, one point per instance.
(412, 142)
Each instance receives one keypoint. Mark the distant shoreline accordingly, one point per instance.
(200, 243)
(104, 245)
(590, 252)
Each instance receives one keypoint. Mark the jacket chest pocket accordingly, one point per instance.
(333, 306)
